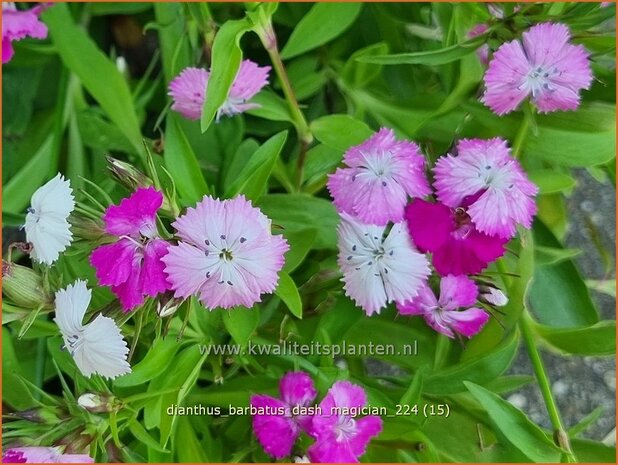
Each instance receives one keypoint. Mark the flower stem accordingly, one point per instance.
(523, 130)
(269, 41)
(561, 438)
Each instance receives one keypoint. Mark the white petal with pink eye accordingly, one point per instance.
(96, 347)
(47, 227)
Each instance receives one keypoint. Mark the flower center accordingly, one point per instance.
(226, 255)
(345, 428)
(463, 223)
(377, 166)
(539, 80)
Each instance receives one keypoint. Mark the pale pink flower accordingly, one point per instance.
(543, 65)
(444, 314)
(188, 90)
(277, 428)
(379, 267)
(503, 196)
(227, 254)
(378, 177)
(42, 455)
(132, 265)
(342, 437)
(19, 24)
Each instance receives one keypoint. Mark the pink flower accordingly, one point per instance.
(42, 455)
(543, 65)
(132, 265)
(379, 267)
(278, 428)
(457, 247)
(380, 175)
(443, 314)
(19, 24)
(188, 90)
(483, 50)
(227, 254)
(484, 169)
(342, 437)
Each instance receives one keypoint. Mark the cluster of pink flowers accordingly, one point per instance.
(481, 196)
(339, 436)
(226, 253)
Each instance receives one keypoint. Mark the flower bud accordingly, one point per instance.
(87, 229)
(168, 308)
(24, 287)
(48, 415)
(493, 296)
(96, 403)
(127, 174)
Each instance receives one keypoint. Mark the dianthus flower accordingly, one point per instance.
(341, 437)
(132, 265)
(485, 170)
(188, 90)
(543, 65)
(42, 455)
(443, 314)
(378, 177)
(19, 24)
(227, 254)
(277, 433)
(379, 266)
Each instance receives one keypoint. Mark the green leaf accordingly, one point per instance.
(156, 361)
(226, 58)
(588, 451)
(412, 395)
(509, 383)
(552, 255)
(81, 55)
(558, 295)
(295, 212)
(142, 435)
(550, 181)
(598, 339)
(253, 178)
(586, 422)
(118, 8)
(430, 57)
(323, 23)
(515, 426)
(357, 74)
(181, 162)
(288, 292)
(340, 131)
(482, 370)
(241, 323)
(271, 107)
(300, 243)
(100, 134)
(605, 286)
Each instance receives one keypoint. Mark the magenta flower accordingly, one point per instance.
(443, 314)
(278, 427)
(457, 247)
(188, 90)
(227, 254)
(379, 176)
(42, 455)
(379, 267)
(342, 437)
(132, 265)
(544, 65)
(485, 170)
(19, 24)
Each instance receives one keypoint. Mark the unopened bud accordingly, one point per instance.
(494, 296)
(96, 403)
(46, 415)
(87, 229)
(169, 307)
(76, 442)
(127, 174)
(24, 287)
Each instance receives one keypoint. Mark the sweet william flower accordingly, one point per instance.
(47, 226)
(227, 254)
(544, 66)
(42, 455)
(278, 433)
(378, 177)
(19, 24)
(188, 90)
(340, 437)
(443, 314)
(132, 265)
(379, 265)
(96, 347)
(449, 234)
(486, 179)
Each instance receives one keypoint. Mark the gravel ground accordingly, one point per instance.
(581, 384)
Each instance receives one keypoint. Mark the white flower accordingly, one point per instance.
(379, 267)
(47, 228)
(97, 347)
(303, 459)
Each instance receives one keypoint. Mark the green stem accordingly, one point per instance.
(561, 437)
(269, 41)
(39, 374)
(522, 132)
